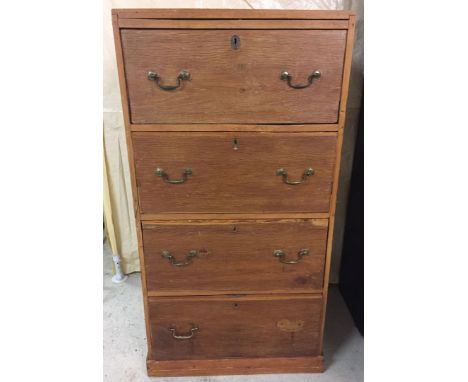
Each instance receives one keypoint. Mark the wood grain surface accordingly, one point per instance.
(232, 24)
(181, 218)
(233, 86)
(311, 127)
(223, 14)
(235, 256)
(131, 160)
(235, 327)
(231, 366)
(336, 176)
(225, 180)
(269, 323)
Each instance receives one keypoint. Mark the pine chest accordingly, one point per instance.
(234, 122)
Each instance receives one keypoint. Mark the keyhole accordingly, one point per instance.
(235, 144)
(235, 42)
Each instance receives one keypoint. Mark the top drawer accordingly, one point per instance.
(235, 76)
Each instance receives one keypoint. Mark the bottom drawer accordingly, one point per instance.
(223, 327)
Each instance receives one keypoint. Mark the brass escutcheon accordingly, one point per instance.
(285, 76)
(307, 172)
(282, 256)
(184, 75)
(188, 258)
(183, 336)
(185, 174)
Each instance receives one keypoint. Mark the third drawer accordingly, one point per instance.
(206, 257)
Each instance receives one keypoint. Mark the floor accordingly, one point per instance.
(125, 340)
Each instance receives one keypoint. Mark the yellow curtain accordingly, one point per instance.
(108, 221)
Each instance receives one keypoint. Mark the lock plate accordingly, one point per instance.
(235, 42)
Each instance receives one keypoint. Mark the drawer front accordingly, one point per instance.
(234, 172)
(212, 327)
(228, 85)
(235, 256)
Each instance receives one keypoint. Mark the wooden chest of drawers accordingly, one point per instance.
(234, 122)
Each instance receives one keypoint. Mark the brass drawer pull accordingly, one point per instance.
(188, 258)
(282, 256)
(282, 172)
(285, 76)
(184, 75)
(187, 172)
(183, 336)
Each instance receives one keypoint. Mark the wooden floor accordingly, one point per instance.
(125, 342)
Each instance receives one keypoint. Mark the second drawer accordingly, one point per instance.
(234, 172)
(235, 256)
